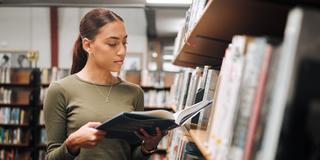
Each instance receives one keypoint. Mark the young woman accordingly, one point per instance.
(75, 105)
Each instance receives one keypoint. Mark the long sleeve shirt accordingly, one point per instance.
(72, 102)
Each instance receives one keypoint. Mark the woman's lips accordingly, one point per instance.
(119, 62)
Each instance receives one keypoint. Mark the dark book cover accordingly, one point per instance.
(126, 124)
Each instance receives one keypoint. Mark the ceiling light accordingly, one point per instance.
(154, 54)
(169, 1)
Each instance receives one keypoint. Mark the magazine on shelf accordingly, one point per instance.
(125, 125)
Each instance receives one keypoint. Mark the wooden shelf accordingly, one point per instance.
(149, 108)
(42, 146)
(17, 85)
(44, 85)
(15, 105)
(199, 138)
(221, 20)
(13, 145)
(14, 125)
(147, 88)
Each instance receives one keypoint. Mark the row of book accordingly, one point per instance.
(14, 95)
(17, 75)
(4, 75)
(43, 136)
(193, 86)
(49, 75)
(43, 92)
(13, 136)
(239, 97)
(156, 98)
(253, 92)
(13, 154)
(182, 146)
(236, 90)
(193, 15)
(5, 95)
(14, 75)
(156, 79)
(9, 115)
(42, 155)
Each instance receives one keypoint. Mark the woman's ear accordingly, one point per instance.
(86, 43)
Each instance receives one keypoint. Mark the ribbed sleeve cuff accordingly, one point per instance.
(60, 153)
(66, 153)
(138, 155)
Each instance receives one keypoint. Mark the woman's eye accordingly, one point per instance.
(125, 43)
(112, 44)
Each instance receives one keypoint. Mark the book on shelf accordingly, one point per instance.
(185, 88)
(49, 75)
(124, 125)
(182, 146)
(227, 96)
(204, 115)
(256, 54)
(300, 42)
(260, 113)
(194, 81)
(200, 92)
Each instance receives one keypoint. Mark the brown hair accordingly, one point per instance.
(89, 27)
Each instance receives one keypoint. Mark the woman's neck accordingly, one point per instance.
(96, 75)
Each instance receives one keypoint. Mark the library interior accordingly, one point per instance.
(159, 79)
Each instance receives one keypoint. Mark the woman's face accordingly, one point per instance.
(108, 49)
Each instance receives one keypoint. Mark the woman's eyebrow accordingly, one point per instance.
(117, 38)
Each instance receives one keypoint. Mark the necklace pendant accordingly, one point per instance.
(107, 100)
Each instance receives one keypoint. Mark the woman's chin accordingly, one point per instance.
(116, 69)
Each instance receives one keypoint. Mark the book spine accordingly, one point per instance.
(258, 98)
(254, 58)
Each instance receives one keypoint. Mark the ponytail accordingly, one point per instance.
(89, 27)
(80, 56)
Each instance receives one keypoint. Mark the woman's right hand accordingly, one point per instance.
(85, 137)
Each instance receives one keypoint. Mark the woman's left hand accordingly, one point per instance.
(151, 142)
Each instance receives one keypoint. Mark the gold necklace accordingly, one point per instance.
(107, 100)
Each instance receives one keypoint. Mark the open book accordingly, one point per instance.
(124, 125)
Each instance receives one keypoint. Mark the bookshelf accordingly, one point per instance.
(19, 99)
(48, 75)
(198, 137)
(255, 94)
(156, 98)
(220, 21)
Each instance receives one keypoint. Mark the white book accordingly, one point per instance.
(201, 7)
(7, 75)
(2, 74)
(202, 83)
(185, 88)
(197, 73)
(251, 72)
(226, 102)
(212, 77)
(209, 91)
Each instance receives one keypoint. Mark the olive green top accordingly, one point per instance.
(72, 102)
